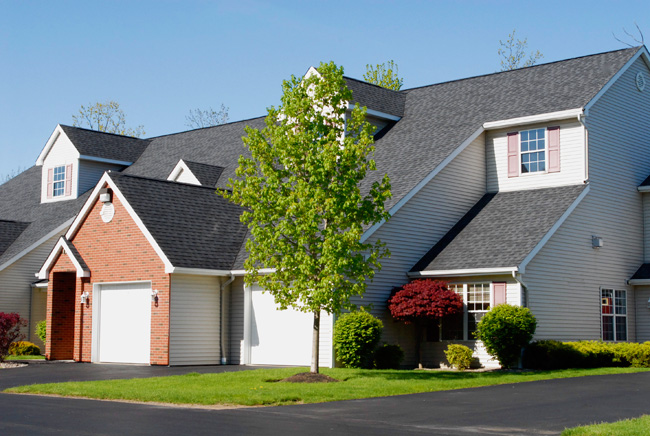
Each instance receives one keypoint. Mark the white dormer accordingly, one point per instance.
(182, 174)
(60, 163)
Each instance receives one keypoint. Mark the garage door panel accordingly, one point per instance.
(125, 324)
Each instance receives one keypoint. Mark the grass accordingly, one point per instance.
(262, 386)
(631, 427)
(9, 358)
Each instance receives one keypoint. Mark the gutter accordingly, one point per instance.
(222, 289)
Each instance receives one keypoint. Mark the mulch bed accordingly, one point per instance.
(308, 377)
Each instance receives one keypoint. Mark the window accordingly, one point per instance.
(477, 299)
(58, 186)
(614, 314)
(533, 151)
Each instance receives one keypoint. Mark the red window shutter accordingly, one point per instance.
(50, 182)
(513, 154)
(553, 149)
(499, 293)
(68, 179)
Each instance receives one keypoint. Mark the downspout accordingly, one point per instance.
(224, 359)
(586, 141)
(524, 288)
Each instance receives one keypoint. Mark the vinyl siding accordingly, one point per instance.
(572, 159)
(642, 294)
(565, 278)
(38, 313)
(61, 153)
(194, 320)
(89, 173)
(417, 226)
(646, 227)
(15, 280)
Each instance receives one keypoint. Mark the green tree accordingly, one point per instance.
(384, 75)
(105, 117)
(513, 53)
(198, 118)
(304, 207)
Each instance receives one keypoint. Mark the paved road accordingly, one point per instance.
(536, 408)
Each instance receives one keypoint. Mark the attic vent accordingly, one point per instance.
(107, 213)
(640, 81)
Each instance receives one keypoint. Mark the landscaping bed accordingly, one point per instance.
(266, 386)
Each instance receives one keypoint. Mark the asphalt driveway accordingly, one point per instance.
(534, 408)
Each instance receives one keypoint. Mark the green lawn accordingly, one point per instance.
(25, 358)
(261, 387)
(628, 427)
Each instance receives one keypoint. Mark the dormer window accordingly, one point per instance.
(533, 151)
(58, 186)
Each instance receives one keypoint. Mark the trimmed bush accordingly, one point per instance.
(505, 330)
(356, 334)
(459, 356)
(41, 330)
(24, 348)
(586, 354)
(388, 356)
(10, 325)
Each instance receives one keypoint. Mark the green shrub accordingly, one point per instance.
(551, 354)
(24, 348)
(586, 354)
(356, 334)
(633, 354)
(505, 330)
(41, 330)
(597, 354)
(459, 356)
(388, 356)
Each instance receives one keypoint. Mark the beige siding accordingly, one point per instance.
(90, 172)
(194, 320)
(236, 336)
(418, 225)
(38, 313)
(61, 153)
(15, 284)
(564, 279)
(572, 159)
(642, 294)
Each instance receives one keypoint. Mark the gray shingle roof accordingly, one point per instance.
(105, 145)
(500, 230)
(75, 253)
(208, 175)
(643, 273)
(193, 226)
(9, 231)
(377, 98)
(646, 182)
(20, 200)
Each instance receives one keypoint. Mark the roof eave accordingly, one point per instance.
(531, 119)
(463, 272)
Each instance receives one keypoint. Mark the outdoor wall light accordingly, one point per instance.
(154, 295)
(648, 303)
(84, 297)
(596, 242)
(105, 195)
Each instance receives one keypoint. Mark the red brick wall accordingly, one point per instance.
(118, 252)
(60, 315)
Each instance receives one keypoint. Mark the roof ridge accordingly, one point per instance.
(103, 133)
(522, 68)
(208, 127)
(120, 175)
(374, 84)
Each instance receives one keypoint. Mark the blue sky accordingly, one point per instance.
(159, 59)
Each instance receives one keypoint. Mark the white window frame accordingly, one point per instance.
(60, 182)
(522, 153)
(613, 315)
(466, 311)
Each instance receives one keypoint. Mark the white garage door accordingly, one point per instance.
(278, 337)
(125, 323)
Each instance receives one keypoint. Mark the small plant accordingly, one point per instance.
(10, 325)
(24, 348)
(356, 335)
(505, 330)
(41, 330)
(388, 356)
(459, 356)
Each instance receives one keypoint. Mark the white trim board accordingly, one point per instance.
(463, 272)
(62, 245)
(540, 118)
(181, 167)
(375, 113)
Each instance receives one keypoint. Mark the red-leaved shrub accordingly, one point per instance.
(10, 325)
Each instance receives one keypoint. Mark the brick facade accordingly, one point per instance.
(114, 252)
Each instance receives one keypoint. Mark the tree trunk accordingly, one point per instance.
(315, 343)
(418, 346)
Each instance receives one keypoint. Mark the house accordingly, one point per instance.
(528, 187)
